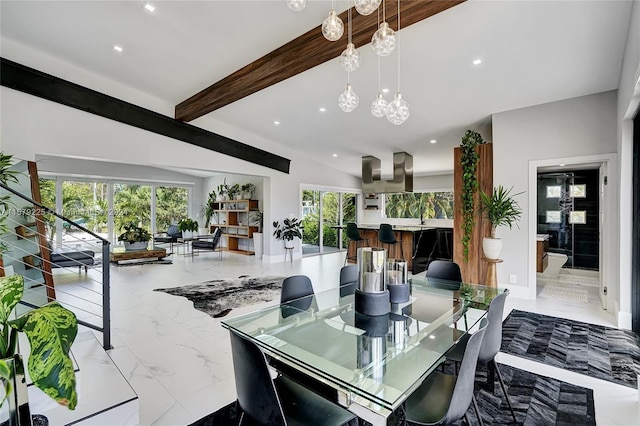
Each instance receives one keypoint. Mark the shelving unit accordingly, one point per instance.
(233, 218)
(371, 201)
(24, 231)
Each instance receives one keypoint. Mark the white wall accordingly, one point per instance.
(628, 99)
(579, 127)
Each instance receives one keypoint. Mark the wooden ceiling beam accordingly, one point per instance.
(301, 54)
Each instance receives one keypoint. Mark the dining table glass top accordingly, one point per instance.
(376, 359)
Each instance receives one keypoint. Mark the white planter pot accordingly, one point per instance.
(247, 195)
(137, 246)
(257, 244)
(238, 196)
(187, 234)
(492, 247)
(289, 244)
(203, 231)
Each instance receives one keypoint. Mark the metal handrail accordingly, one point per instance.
(106, 294)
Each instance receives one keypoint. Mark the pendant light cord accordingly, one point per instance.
(379, 85)
(398, 43)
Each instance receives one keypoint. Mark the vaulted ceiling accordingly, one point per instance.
(532, 52)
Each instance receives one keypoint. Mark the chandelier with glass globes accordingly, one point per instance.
(383, 42)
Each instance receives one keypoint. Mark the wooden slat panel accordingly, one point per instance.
(301, 54)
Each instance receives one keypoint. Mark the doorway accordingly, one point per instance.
(324, 217)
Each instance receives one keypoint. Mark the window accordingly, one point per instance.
(171, 206)
(429, 205)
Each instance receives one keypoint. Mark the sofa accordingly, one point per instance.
(70, 258)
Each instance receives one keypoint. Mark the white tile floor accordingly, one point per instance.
(178, 360)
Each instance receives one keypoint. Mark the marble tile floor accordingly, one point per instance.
(178, 359)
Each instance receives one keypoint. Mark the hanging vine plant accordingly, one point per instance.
(469, 161)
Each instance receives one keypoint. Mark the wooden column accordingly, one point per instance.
(474, 270)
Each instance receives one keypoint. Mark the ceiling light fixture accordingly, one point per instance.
(277, 123)
(322, 109)
(397, 111)
(367, 7)
(348, 100)
(477, 61)
(433, 141)
(332, 27)
(350, 58)
(385, 90)
(297, 5)
(335, 155)
(117, 48)
(384, 40)
(149, 7)
(379, 104)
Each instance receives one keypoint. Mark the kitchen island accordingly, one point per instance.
(420, 244)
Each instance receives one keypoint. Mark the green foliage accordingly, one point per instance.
(248, 188)
(233, 190)
(51, 330)
(425, 205)
(132, 203)
(290, 229)
(209, 208)
(469, 162)
(188, 225)
(134, 234)
(6, 176)
(171, 205)
(500, 208)
(330, 214)
(258, 219)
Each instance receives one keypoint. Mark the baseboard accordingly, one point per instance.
(624, 319)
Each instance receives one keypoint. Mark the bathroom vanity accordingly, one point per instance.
(542, 255)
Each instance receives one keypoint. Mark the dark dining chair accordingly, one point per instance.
(279, 401)
(295, 287)
(444, 270)
(490, 346)
(388, 237)
(348, 280)
(207, 243)
(443, 399)
(353, 234)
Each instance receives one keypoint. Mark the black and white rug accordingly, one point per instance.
(537, 400)
(218, 297)
(594, 350)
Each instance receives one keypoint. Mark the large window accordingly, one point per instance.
(428, 205)
(131, 203)
(324, 215)
(171, 206)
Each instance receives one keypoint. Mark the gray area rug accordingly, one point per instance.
(593, 350)
(218, 297)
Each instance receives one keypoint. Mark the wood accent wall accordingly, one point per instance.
(475, 270)
(406, 238)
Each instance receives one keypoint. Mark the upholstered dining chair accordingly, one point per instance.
(490, 345)
(295, 287)
(353, 234)
(442, 399)
(444, 270)
(348, 280)
(279, 401)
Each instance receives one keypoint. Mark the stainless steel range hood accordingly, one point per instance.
(402, 174)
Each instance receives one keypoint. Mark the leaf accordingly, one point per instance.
(51, 330)
(11, 290)
(5, 376)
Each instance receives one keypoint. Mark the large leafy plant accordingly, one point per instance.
(6, 176)
(51, 330)
(188, 225)
(500, 208)
(134, 234)
(290, 229)
(469, 161)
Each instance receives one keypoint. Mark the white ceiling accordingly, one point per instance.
(533, 52)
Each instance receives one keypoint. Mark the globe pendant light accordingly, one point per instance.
(350, 58)
(348, 100)
(379, 106)
(332, 27)
(384, 40)
(297, 5)
(367, 7)
(397, 111)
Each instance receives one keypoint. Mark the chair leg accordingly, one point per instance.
(504, 390)
(475, 407)
(466, 419)
(241, 418)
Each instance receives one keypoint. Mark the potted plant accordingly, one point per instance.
(469, 161)
(248, 190)
(223, 191)
(188, 227)
(209, 208)
(234, 192)
(134, 237)
(258, 238)
(51, 330)
(290, 229)
(500, 209)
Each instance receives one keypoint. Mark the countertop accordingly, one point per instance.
(409, 228)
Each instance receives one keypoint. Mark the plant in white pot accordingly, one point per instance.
(290, 229)
(257, 218)
(188, 227)
(134, 237)
(500, 209)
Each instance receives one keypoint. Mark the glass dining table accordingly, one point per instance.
(372, 362)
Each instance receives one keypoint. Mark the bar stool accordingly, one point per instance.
(353, 234)
(387, 236)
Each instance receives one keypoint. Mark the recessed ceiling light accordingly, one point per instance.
(276, 123)
(117, 48)
(385, 90)
(335, 155)
(477, 61)
(149, 7)
(562, 165)
(323, 109)
(433, 141)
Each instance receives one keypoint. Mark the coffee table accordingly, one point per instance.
(118, 257)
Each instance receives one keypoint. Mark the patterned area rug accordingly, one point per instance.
(593, 350)
(573, 294)
(218, 297)
(537, 400)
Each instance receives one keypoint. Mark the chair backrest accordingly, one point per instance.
(493, 336)
(257, 394)
(352, 232)
(216, 237)
(174, 232)
(444, 270)
(463, 390)
(386, 235)
(348, 280)
(295, 287)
